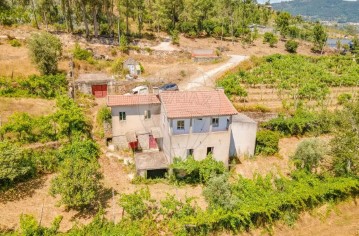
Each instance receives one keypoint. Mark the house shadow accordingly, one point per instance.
(105, 196)
(21, 190)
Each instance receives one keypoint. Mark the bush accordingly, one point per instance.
(267, 142)
(104, 115)
(136, 204)
(270, 38)
(175, 37)
(15, 43)
(14, 165)
(117, 67)
(231, 86)
(291, 46)
(308, 155)
(30, 226)
(81, 54)
(302, 122)
(218, 193)
(45, 86)
(45, 51)
(123, 44)
(192, 171)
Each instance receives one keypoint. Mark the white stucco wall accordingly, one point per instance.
(198, 137)
(243, 138)
(199, 142)
(135, 119)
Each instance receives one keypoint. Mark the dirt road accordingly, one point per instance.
(207, 78)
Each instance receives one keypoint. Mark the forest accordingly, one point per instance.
(330, 10)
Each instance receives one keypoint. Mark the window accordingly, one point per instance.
(190, 152)
(122, 115)
(147, 114)
(215, 122)
(210, 150)
(180, 125)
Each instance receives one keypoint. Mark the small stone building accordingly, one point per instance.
(204, 55)
(133, 67)
(94, 83)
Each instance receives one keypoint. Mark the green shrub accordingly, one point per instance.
(267, 142)
(270, 38)
(175, 37)
(136, 204)
(81, 54)
(123, 44)
(15, 43)
(192, 171)
(231, 86)
(218, 193)
(46, 86)
(291, 46)
(30, 226)
(104, 115)
(308, 155)
(302, 122)
(14, 165)
(117, 67)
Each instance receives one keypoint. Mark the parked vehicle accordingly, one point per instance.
(169, 87)
(143, 89)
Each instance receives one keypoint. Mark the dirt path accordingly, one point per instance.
(207, 77)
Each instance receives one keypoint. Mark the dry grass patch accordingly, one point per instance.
(32, 106)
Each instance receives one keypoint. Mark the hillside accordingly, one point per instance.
(330, 10)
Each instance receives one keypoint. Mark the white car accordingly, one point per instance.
(143, 89)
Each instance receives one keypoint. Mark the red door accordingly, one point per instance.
(99, 91)
(153, 143)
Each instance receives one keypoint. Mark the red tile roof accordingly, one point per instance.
(185, 104)
(130, 100)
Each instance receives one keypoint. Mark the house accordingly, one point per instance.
(204, 55)
(94, 83)
(133, 67)
(178, 124)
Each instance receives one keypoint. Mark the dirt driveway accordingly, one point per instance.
(207, 78)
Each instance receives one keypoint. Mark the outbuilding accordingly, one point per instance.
(133, 67)
(243, 136)
(94, 83)
(204, 55)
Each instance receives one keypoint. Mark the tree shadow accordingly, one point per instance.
(103, 202)
(22, 190)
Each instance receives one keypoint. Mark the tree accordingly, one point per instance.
(78, 183)
(218, 193)
(291, 46)
(70, 119)
(14, 165)
(319, 38)
(308, 155)
(270, 38)
(282, 23)
(45, 51)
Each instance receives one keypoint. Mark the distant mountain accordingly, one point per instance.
(329, 10)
